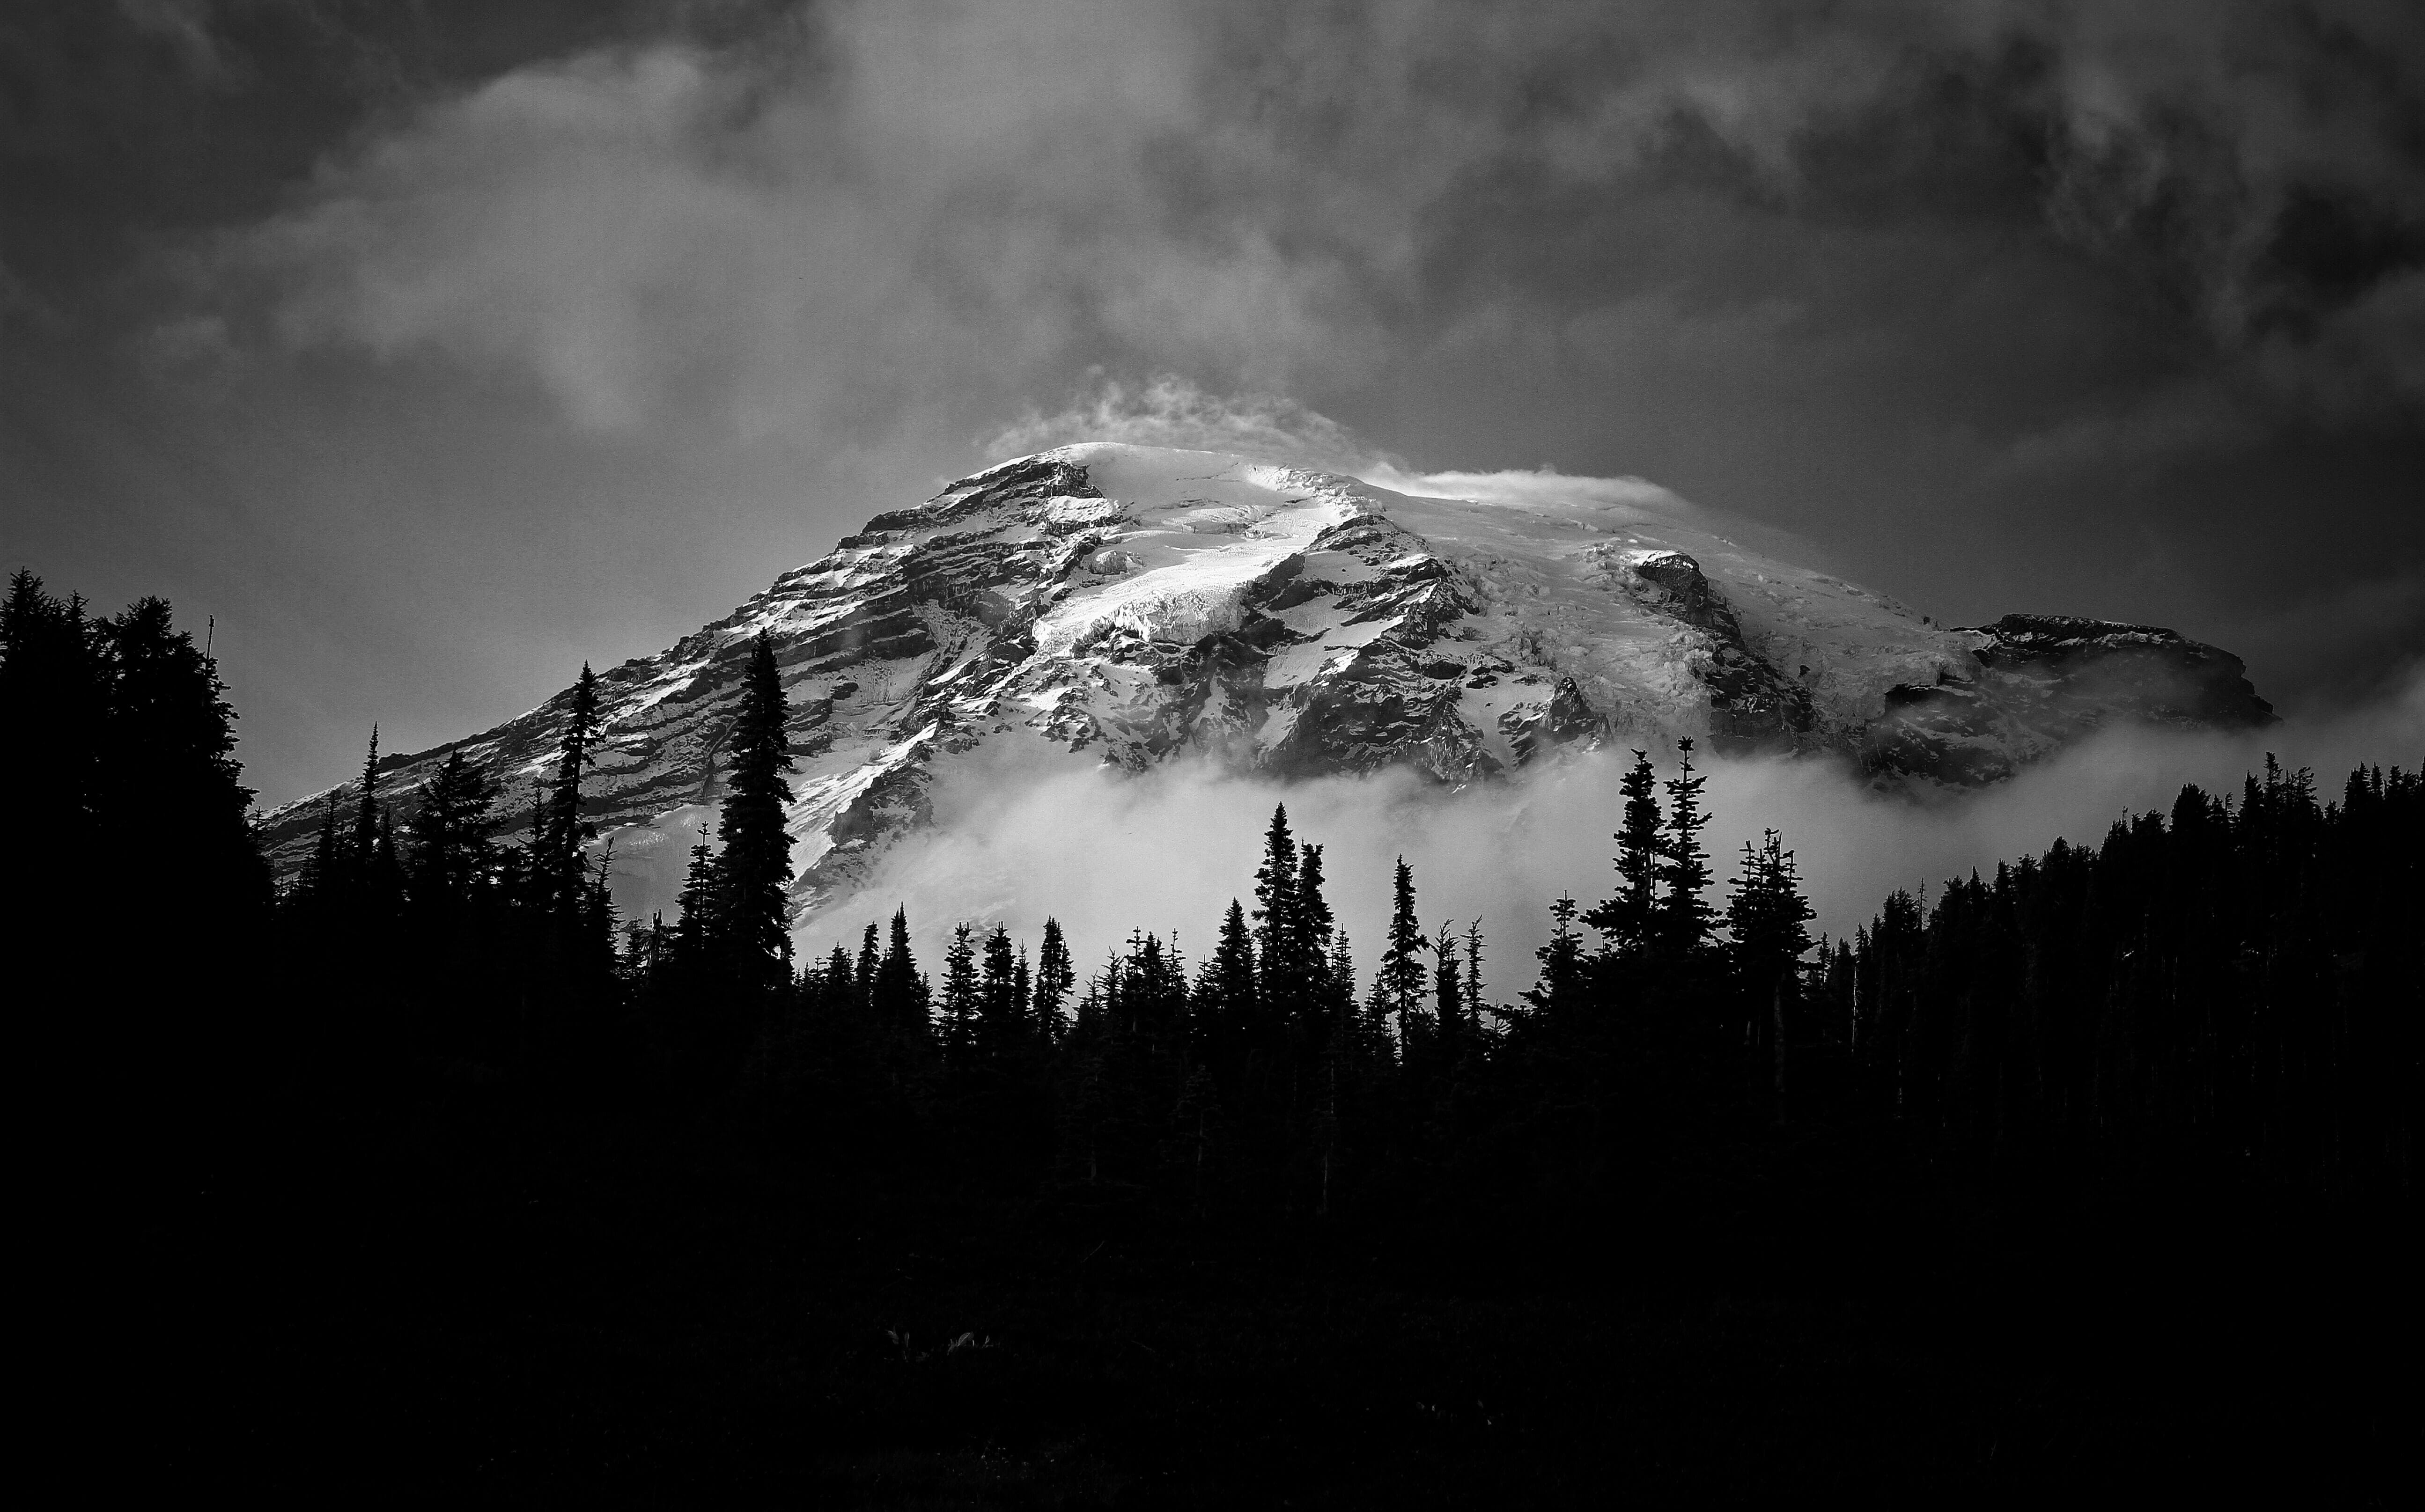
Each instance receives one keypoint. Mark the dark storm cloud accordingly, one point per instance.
(2060, 307)
(1293, 194)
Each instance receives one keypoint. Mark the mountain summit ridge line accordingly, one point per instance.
(1134, 603)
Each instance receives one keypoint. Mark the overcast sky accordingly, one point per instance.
(437, 347)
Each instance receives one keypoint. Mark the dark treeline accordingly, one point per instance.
(2228, 993)
(2225, 991)
(2221, 998)
(136, 890)
(2215, 995)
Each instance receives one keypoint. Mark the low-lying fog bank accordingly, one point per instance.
(1020, 834)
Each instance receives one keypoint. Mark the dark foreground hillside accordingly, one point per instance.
(425, 1173)
(672, 1330)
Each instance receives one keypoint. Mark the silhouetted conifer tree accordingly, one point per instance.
(1474, 1008)
(450, 832)
(1448, 989)
(836, 977)
(959, 998)
(1766, 915)
(863, 973)
(1400, 984)
(756, 861)
(51, 672)
(169, 766)
(557, 867)
(1683, 921)
(119, 754)
(1054, 977)
(361, 855)
(1277, 930)
(1225, 1001)
(1232, 966)
(1557, 994)
(1001, 1010)
(901, 996)
(1627, 919)
(1308, 1005)
(697, 928)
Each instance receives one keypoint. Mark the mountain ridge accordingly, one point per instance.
(1127, 604)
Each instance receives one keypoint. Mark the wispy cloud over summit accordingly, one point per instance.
(1168, 411)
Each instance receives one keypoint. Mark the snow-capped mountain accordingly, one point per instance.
(1127, 603)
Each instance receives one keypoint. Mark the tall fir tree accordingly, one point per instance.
(698, 929)
(840, 987)
(1448, 992)
(1767, 919)
(756, 861)
(901, 998)
(1002, 1008)
(170, 762)
(1276, 910)
(1685, 922)
(870, 961)
(1228, 992)
(1626, 919)
(1307, 1004)
(1557, 994)
(1056, 976)
(1400, 984)
(1473, 1008)
(122, 726)
(560, 874)
(56, 698)
(450, 851)
(51, 678)
(361, 855)
(960, 997)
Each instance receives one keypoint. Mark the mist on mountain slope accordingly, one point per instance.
(1021, 832)
(1022, 829)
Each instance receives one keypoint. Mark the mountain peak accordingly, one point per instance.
(1129, 603)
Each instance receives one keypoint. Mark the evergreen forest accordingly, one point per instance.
(421, 1169)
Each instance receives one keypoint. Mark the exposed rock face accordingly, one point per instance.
(2044, 681)
(1128, 603)
(1751, 704)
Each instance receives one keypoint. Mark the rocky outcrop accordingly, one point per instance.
(2038, 682)
(1128, 605)
(1752, 706)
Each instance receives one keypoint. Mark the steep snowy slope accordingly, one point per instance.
(1123, 603)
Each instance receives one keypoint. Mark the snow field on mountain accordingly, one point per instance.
(1191, 566)
(1018, 618)
(1554, 571)
(1180, 594)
